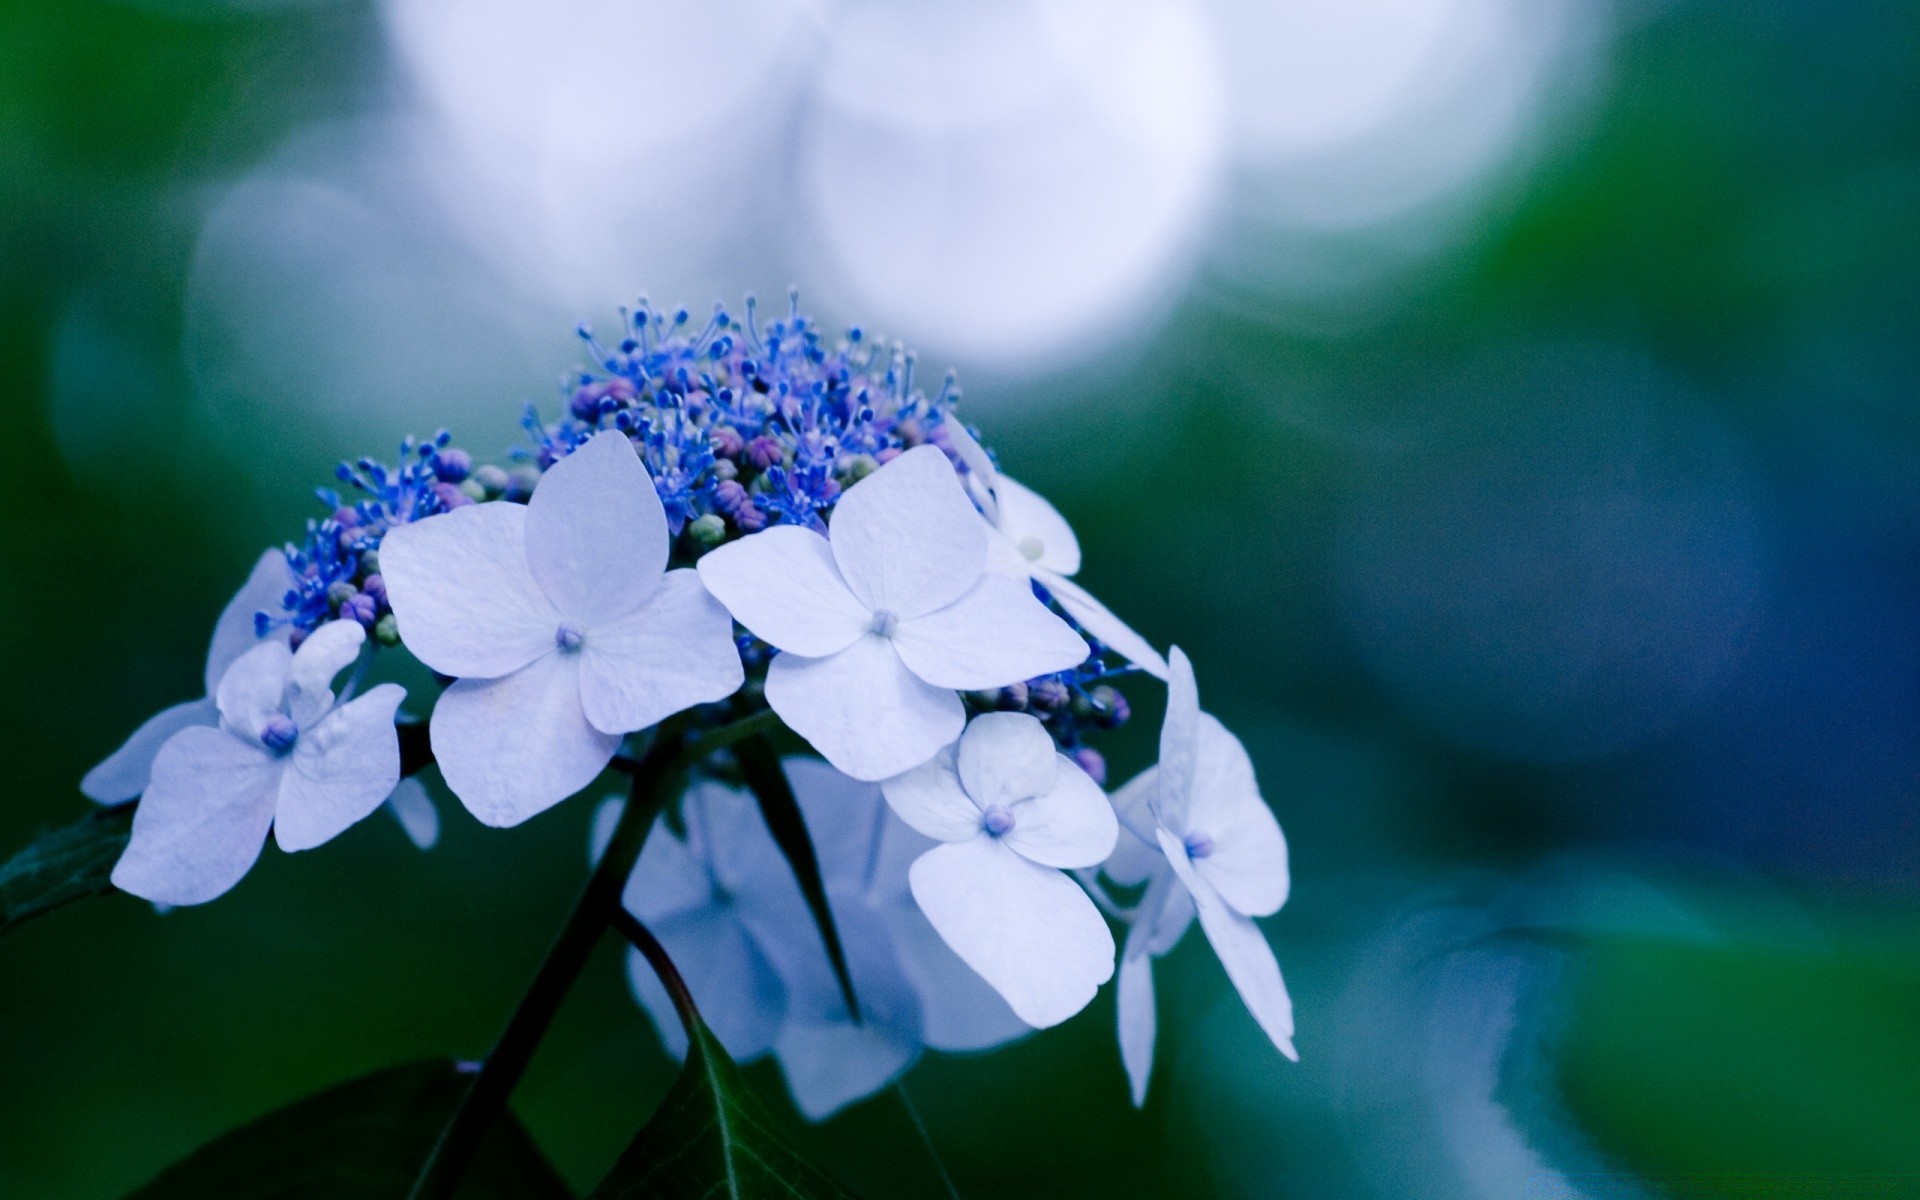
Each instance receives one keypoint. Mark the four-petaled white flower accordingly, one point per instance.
(879, 622)
(285, 756)
(125, 772)
(562, 626)
(1220, 853)
(1031, 540)
(1012, 812)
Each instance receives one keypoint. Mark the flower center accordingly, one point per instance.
(1199, 845)
(1031, 548)
(279, 734)
(997, 821)
(884, 623)
(569, 636)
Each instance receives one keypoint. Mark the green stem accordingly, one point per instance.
(658, 776)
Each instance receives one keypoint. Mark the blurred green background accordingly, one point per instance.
(1553, 549)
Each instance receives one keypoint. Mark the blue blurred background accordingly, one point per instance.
(1509, 404)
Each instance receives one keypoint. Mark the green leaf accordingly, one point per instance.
(760, 766)
(364, 1139)
(70, 863)
(711, 1140)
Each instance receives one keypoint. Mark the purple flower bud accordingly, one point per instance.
(764, 452)
(1012, 698)
(750, 518)
(279, 733)
(909, 433)
(726, 441)
(620, 389)
(1048, 695)
(346, 517)
(361, 608)
(376, 586)
(585, 405)
(1110, 709)
(997, 821)
(453, 464)
(451, 497)
(339, 592)
(728, 496)
(1089, 760)
(295, 637)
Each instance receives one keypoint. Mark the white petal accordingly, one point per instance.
(123, 775)
(462, 593)
(1004, 559)
(1027, 929)
(1036, 528)
(672, 652)
(862, 709)
(1242, 950)
(671, 876)
(233, 633)
(844, 819)
(932, 800)
(327, 651)
(828, 1061)
(1136, 1017)
(203, 819)
(783, 585)
(1248, 862)
(514, 747)
(996, 634)
(340, 770)
(1004, 758)
(1072, 825)
(1137, 852)
(958, 1010)
(906, 537)
(1166, 911)
(596, 532)
(1102, 625)
(254, 687)
(414, 809)
(1179, 744)
(981, 476)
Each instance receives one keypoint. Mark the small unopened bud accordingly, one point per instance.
(724, 468)
(1048, 695)
(279, 733)
(858, 467)
(386, 631)
(910, 433)
(726, 441)
(375, 585)
(370, 561)
(585, 405)
(452, 464)
(339, 592)
(451, 495)
(728, 496)
(888, 455)
(1110, 709)
(492, 481)
(707, 531)
(520, 484)
(360, 608)
(764, 452)
(750, 518)
(1013, 698)
(472, 490)
(1089, 760)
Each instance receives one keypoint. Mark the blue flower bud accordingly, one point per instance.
(764, 452)
(1048, 695)
(1012, 698)
(279, 733)
(360, 608)
(728, 496)
(750, 517)
(452, 465)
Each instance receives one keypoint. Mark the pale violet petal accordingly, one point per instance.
(1137, 852)
(1035, 528)
(514, 747)
(124, 773)
(596, 532)
(738, 992)
(829, 1061)
(981, 476)
(253, 691)
(671, 876)
(606, 818)
(1071, 826)
(862, 709)
(1026, 929)
(907, 539)
(843, 817)
(463, 596)
(1102, 625)
(1246, 860)
(234, 633)
(1242, 950)
(203, 819)
(1179, 744)
(414, 809)
(670, 653)
(959, 1011)
(1004, 559)
(340, 770)
(1134, 999)
(931, 799)
(996, 634)
(782, 584)
(326, 652)
(1004, 758)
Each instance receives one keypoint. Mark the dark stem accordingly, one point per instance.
(631, 928)
(654, 779)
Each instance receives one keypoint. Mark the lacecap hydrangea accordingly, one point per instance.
(782, 589)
